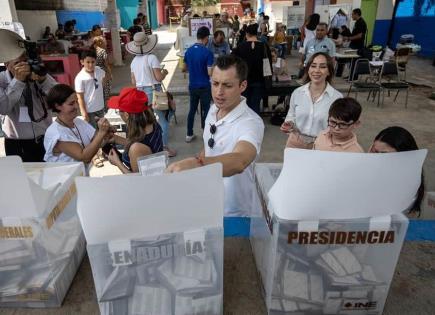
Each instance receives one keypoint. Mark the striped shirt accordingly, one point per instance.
(153, 140)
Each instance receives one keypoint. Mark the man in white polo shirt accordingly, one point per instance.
(233, 135)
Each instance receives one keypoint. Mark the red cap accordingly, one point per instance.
(130, 100)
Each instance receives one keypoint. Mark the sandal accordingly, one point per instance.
(171, 153)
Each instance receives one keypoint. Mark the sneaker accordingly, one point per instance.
(190, 138)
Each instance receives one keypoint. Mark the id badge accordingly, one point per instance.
(24, 115)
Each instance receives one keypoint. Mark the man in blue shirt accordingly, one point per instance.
(198, 60)
(218, 45)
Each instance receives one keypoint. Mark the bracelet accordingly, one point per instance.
(200, 160)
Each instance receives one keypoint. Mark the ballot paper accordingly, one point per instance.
(194, 268)
(150, 300)
(119, 284)
(341, 261)
(303, 286)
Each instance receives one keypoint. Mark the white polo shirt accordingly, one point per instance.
(311, 118)
(92, 89)
(241, 124)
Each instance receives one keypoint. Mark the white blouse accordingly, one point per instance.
(311, 118)
(82, 132)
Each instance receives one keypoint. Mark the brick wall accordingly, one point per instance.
(82, 5)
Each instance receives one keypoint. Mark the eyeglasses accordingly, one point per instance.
(96, 83)
(334, 124)
(211, 141)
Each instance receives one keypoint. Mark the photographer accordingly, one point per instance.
(26, 116)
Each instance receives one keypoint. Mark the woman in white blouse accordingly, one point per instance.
(309, 104)
(71, 139)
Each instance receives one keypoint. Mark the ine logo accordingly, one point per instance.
(360, 305)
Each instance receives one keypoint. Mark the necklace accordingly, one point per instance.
(314, 98)
(77, 135)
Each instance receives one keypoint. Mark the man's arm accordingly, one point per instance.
(133, 79)
(14, 89)
(233, 163)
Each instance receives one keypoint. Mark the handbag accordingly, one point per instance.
(267, 70)
(160, 98)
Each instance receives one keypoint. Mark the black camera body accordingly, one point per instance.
(34, 60)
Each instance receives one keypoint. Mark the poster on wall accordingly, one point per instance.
(196, 23)
(295, 17)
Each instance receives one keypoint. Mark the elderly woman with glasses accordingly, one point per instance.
(309, 104)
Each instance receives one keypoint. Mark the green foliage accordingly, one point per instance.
(204, 3)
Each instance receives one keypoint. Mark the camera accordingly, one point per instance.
(34, 60)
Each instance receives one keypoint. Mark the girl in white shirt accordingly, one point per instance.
(309, 104)
(71, 139)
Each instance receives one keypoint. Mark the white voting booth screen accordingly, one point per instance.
(155, 243)
(333, 185)
(41, 241)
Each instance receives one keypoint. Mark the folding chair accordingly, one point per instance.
(401, 56)
(369, 84)
(389, 80)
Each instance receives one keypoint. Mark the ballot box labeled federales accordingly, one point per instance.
(155, 243)
(41, 240)
(314, 265)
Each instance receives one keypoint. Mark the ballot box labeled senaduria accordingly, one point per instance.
(155, 243)
(41, 240)
(314, 265)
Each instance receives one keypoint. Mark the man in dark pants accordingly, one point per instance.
(357, 38)
(198, 60)
(23, 105)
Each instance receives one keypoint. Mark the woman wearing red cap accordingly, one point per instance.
(144, 134)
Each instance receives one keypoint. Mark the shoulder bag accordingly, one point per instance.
(267, 70)
(160, 98)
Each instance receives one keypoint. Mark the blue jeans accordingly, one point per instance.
(202, 95)
(163, 122)
(282, 50)
(254, 93)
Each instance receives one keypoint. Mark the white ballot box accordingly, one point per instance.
(314, 264)
(41, 240)
(155, 243)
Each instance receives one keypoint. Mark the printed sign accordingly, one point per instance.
(295, 17)
(196, 23)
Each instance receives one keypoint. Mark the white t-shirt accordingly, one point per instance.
(92, 89)
(309, 35)
(141, 67)
(66, 45)
(83, 131)
(311, 118)
(241, 124)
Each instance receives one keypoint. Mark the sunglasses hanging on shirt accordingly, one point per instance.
(211, 141)
(96, 83)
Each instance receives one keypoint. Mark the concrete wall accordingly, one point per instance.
(383, 22)
(81, 5)
(7, 11)
(34, 22)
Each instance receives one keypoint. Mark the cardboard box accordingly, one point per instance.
(315, 265)
(157, 246)
(41, 241)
